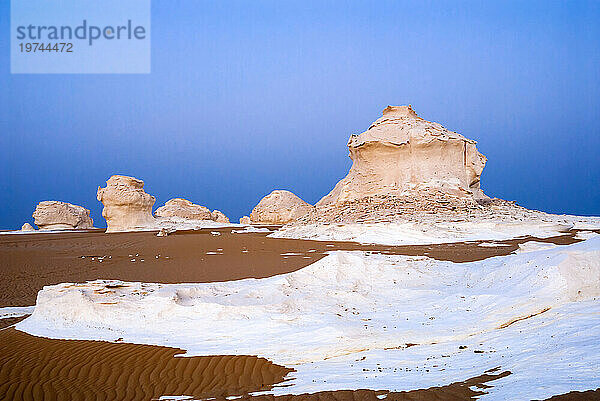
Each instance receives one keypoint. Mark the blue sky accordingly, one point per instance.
(246, 97)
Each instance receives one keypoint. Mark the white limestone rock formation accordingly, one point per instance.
(184, 209)
(55, 215)
(27, 227)
(219, 216)
(279, 207)
(245, 220)
(126, 206)
(401, 154)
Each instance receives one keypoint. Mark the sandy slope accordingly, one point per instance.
(33, 368)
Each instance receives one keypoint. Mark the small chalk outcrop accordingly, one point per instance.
(219, 216)
(127, 206)
(55, 215)
(163, 232)
(245, 220)
(279, 207)
(183, 208)
(403, 154)
(27, 227)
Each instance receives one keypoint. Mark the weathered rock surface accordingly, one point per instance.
(163, 232)
(245, 220)
(405, 156)
(55, 215)
(184, 209)
(279, 207)
(126, 205)
(219, 216)
(27, 227)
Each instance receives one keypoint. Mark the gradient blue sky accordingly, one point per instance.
(250, 96)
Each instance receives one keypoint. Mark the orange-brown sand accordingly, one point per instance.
(4, 323)
(590, 395)
(34, 368)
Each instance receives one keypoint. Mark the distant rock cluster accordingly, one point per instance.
(128, 207)
(402, 165)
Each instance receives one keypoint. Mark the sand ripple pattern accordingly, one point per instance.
(35, 368)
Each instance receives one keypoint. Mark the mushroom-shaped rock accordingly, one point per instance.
(184, 209)
(55, 215)
(279, 207)
(27, 227)
(245, 220)
(402, 152)
(126, 206)
(219, 216)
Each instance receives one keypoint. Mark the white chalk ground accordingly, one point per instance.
(584, 222)
(176, 223)
(344, 321)
(434, 230)
(15, 311)
(531, 246)
(586, 235)
(491, 244)
(44, 231)
(250, 229)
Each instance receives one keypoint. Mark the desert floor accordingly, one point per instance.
(36, 368)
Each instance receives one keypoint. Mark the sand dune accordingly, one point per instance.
(6, 322)
(34, 368)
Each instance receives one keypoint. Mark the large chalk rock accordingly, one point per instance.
(184, 209)
(279, 207)
(401, 154)
(126, 206)
(55, 215)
